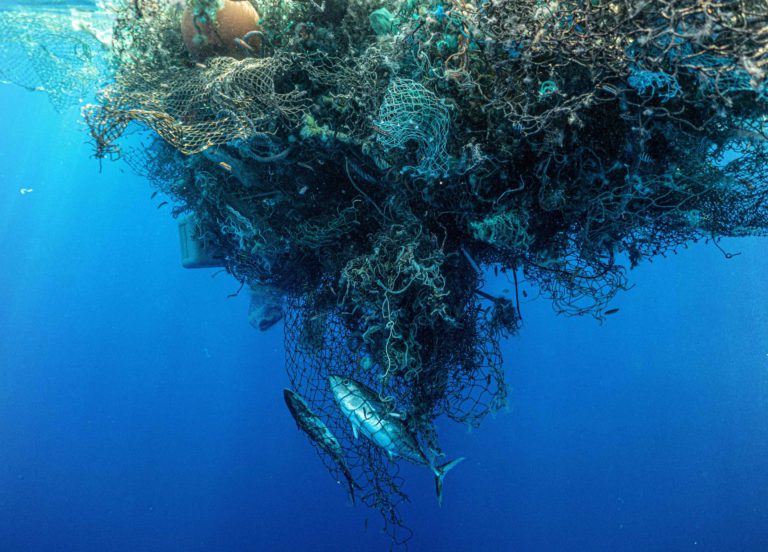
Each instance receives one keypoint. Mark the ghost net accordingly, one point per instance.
(372, 162)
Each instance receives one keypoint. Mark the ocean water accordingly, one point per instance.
(140, 412)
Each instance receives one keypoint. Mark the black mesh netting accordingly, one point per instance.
(320, 343)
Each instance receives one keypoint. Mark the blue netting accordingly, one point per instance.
(654, 83)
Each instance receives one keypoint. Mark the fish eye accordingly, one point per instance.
(345, 381)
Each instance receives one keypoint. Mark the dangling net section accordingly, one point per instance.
(227, 100)
(464, 382)
(60, 51)
(317, 346)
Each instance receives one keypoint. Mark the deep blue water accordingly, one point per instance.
(140, 412)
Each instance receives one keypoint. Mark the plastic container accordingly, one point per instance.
(194, 252)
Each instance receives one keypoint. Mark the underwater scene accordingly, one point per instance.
(345, 275)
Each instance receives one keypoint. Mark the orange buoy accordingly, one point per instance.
(227, 32)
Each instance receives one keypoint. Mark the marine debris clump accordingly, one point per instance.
(369, 160)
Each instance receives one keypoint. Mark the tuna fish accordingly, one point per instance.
(370, 416)
(311, 424)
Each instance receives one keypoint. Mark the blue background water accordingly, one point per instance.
(140, 412)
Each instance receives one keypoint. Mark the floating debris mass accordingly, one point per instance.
(367, 161)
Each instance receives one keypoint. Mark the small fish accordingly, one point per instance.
(311, 424)
(611, 311)
(368, 415)
(226, 166)
(201, 65)
(303, 190)
(153, 196)
(163, 203)
(525, 293)
(645, 158)
(23, 191)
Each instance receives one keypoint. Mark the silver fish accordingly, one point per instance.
(369, 415)
(311, 424)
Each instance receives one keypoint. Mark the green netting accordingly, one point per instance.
(411, 113)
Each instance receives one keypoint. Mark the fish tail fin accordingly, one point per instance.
(440, 472)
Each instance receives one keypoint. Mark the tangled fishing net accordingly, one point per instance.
(61, 51)
(370, 160)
